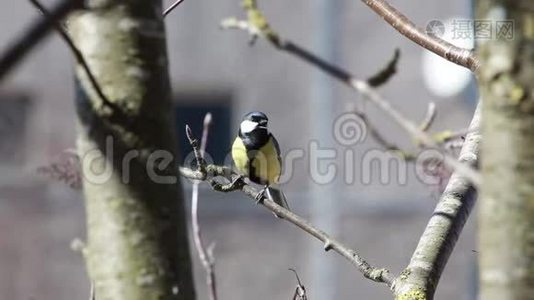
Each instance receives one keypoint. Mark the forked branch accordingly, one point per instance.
(33, 35)
(205, 254)
(213, 174)
(257, 26)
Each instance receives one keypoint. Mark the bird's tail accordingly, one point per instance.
(275, 193)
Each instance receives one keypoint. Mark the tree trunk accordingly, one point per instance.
(137, 246)
(506, 220)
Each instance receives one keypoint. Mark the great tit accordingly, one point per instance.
(256, 155)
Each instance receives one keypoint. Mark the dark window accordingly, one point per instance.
(190, 108)
(14, 109)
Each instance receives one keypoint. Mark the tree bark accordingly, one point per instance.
(420, 278)
(137, 245)
(506, 216)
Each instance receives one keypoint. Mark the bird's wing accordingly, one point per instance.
(277, 147)
(275, 193)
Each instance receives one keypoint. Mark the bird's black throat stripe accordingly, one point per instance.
(253, 141)
(252, 171)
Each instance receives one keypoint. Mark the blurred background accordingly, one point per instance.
(217, 71)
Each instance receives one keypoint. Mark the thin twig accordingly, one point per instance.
(206, 257)
(37, 31)
(238, 184)
(78, 56)
(205, 132)
(415, 131)
(384, 75)
(386, 144)
(92, 294)
(448, 135)
(259, 26)
(431, 114)
(172, 7)
(300, 290)
(201, 164)
(457, 55)
(380, 139)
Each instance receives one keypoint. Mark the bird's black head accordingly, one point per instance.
(253, 129)
(256, 117)
(254, 122)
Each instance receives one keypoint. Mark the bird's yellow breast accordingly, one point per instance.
(265, 164)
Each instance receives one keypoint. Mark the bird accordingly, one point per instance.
(256, 155)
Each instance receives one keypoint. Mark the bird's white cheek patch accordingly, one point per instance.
(247, 126)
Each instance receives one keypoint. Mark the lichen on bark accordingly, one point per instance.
(506, 215)
(413, 294)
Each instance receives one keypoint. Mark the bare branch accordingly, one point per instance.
(38, 30)
(430, 117)
(446, 136)
(457, 55)
(238, 184)
(383, 141)
(300, 290)
(206, 257)
(201, 165)
(445, 225)
(92, 295)
(384, 75)
(172, 7)
(257, 24)
(205, 132)
(387, 145)
(423, 138)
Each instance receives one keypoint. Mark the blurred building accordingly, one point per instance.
(215, 70)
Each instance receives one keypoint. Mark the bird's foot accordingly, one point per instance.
(260, 195)
(236, 184)
(237, 181)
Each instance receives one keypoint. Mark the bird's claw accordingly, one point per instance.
(260, 195)
(237, 180)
